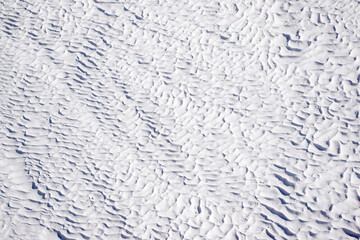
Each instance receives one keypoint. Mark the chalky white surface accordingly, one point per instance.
(179, 119)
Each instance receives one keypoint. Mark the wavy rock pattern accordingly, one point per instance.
(186, 120)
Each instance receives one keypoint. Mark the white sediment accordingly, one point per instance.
(179, 119)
